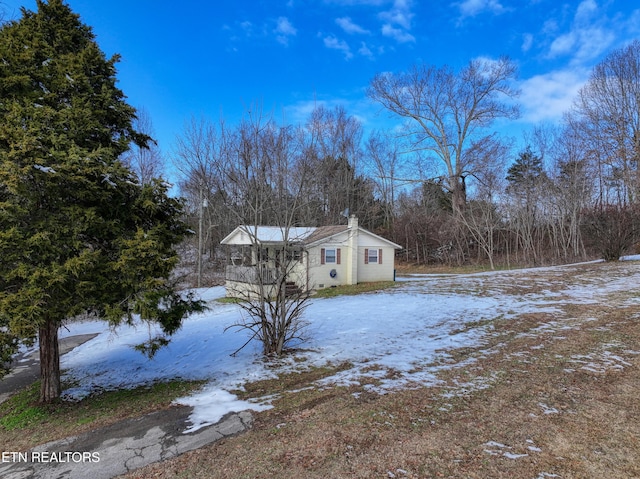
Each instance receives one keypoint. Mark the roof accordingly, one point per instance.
(304, 235)
(247, 235)
(323, 232)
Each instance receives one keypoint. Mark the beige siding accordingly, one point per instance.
(320, 277)
(320, 274)
(236, 289)
(375, 272)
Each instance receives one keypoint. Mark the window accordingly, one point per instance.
(330, 256)
(372, 256)
(294, 255)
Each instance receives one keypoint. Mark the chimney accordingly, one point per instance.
(352, 249)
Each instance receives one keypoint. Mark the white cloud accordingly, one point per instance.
(335, 44)
(487, 64)
(400, 14)
(548, 96)
(550, 26)
(563, 44)
(527, 42)
(591, 34)
(397, 21)
(284, 30)
(586, 10)
(633, 23)
(247, 26)
(350, 27)
(365, 51)
(398, 34)
(593, 43)
(583, 44)
(471, 8)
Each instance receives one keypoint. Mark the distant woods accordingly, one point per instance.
(443, 183)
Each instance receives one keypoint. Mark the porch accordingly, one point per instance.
(260, 274)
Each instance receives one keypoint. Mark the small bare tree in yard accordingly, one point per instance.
(252, 172)
(273, 292)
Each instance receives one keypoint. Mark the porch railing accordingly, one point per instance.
(251, 274)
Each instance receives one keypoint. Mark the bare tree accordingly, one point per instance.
(261, 173)
(607, 114)
(484, 215)
(199, 153)
(482, 220)
(383, 158)
(573, 184)
(146, 161)
(271, 289)
(249, 176)
(331, 155)
(448, 114)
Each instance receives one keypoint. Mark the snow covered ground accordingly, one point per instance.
(408, 329)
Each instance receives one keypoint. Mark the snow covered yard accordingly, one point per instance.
(524, 374)
(392, 339)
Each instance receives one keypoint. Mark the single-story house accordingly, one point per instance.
(315, 257)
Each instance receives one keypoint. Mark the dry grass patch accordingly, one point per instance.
(352, 289)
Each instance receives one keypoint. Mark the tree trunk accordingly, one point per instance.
(458, 195)
(49, 362)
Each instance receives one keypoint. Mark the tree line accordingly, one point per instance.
(443, 183)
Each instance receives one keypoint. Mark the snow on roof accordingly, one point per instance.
(307, 235)
(247, 235)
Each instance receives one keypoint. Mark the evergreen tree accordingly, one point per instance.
(526, 172)
(78, 233)
(528, 188)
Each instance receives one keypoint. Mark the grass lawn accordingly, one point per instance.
(352, 289)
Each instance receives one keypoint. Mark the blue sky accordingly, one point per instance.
(216, 59)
